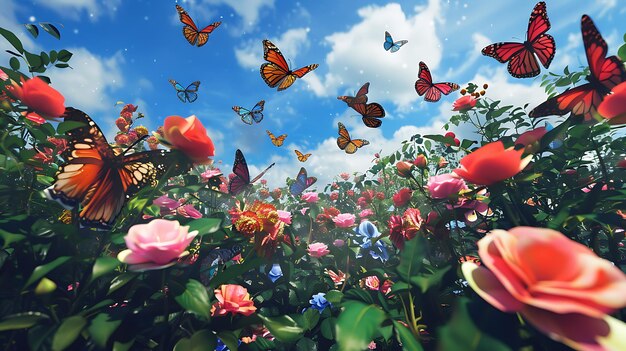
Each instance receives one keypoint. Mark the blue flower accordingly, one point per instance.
(275, 273)
(319, 302)
(365, 232)
(221, 347)
(556, 143)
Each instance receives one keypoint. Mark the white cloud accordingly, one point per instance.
(357, 55)
(74, 8)
(248, 10)
(293, 41)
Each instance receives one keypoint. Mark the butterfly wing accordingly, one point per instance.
(257, 111)
(302, 182)
(432, 92)
(203, 35)
(242, 176)
(191, 32)
(360, 98)
(244, 113)
(276, 140)
(397, 45)
(302, 157)
(348, 144)
(424, 81)
(262, 173)
(190, 91)
(180, 90)
(543, 44)
(388, 44)
(446, 87)
(276, 72)
(370, 113)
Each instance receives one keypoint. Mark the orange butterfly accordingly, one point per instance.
(302, 157)
(191, 32)
(276, 72)
(348, 144)
(276, 140)
(370, 113)
(359, 98)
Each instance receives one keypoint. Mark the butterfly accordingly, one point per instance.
(348, 144)
(189, 93)
(242, 174)
(276, 140)
(606, 73)
(276, 72)
(392, 46)
(370, 113)
(521, 56)
(247, 116)
(210, 264)
(302, 157)
(101, 178)
(425, 85)
(360, 98)
(191, 32)
(302, 182)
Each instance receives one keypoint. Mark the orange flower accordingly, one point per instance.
(421, 161)
(232, 298)
(40, 98)
(189, 136)
(613, 107)
(492, 163)
(404, 169)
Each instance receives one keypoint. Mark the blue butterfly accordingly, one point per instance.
(247, 116)
(392, 46)
(189, 93)
(302, 182)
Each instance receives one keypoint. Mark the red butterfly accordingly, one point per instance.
(521, 56)
(360, 98)
(606, 72)
(370, 113)
(191, 32)
(275, 72)
(424, 85)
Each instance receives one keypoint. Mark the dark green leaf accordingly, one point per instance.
(21, 320)
(200, 341)
(14, 63)
(193, 297)
(68, 332)
(328, 328)
(40, 271)
(44, 179)
(229, 339)
(34, 31)
(64, 55)
(427, 282)
(53, 55)
(334, 296)
(51, 29)
(311, 318)
(408, 340)
(205, 225)
(66, 126)
(61, 65)
(622, 52)
(235, 271)
(120, 281)
(11, 38)
(102, 266)
(284, 328)
(10, 238)
(357, 325)
(411, 258)
(45, 59)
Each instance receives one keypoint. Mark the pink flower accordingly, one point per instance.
(464, 103)
(310, 197)
(492, 163)
(189, 136)
(303, 210)
(334, 196)
(210, 173)
(366, 213)
(344, 220)
(189, 211)
(345, 176)
(339, 242)
(284, 216)
(372, 282)
(558, 285)
(156, 244)
(445, 186)
(318, 250)
(3, 75)
(232, 298)
(402, 197)
(166, 203)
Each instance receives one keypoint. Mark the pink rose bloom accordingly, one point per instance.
(366, 213)
(372, 282)
(188, 211)
(318, 250)
(345, 176)
(210, 173)
(3, 76)
(310, 197)
(284, 216)
(232, 298)
(445, 186)
(334, 196)
(344, 220)
(558, 285)
(166, 203)
(156, 244)
(464, 103)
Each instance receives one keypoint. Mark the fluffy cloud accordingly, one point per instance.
(249, 10)
(74, 8)
(290, 43)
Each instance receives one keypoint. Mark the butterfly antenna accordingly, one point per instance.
(135, 143)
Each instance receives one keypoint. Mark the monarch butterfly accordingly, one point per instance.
(606, 73)
(360, 98)
(302, 157)
(425, 85)
(101, 178)
(521, 56)
(242, 174)
(276, 140)
(247, 116)
(276, 72)
(370, 113)
(189, 93)
(191, 32)
(348, 144)
(392, 46)
(302, 182)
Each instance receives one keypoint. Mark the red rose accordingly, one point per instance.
(464, 103)
(402, 197)
(613, 107)
(40, 97)
(189, 136)
(491, 163)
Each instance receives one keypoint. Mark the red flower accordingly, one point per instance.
(464, 103)
(380, 195)
(40, 98)
(402, 197)
(492, 163)
(421, 161)
(530, 139)
(234, 299)
(613, 107)
(404, 228)
(189, 136)
(404, 169)
(334, 196)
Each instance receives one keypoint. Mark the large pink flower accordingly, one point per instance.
(310, 197)
(318, 250)
(492, 163)
(344, 220)
(232, 298)
(156, 244)
(444, 186)
(284, 216)
(556, 284)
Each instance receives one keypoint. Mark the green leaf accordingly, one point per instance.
(53, 55)
(40, 271)
(200, 341)
(21, 320)
(411, 258)
(334, 296)
(229, 339)
(34, 31)
(10, 238)
(328, 328)
(427, 282)
(120, 281)
(64, 55)
(34, 61)
(45, 286)
(311, 318)
(357, 325)
(68, 332)
(205, 225)
(45, 59)
(102, 327)
(102, 266)
(51, 29)
(66, 126)
(61, 65)
(408, 340)
(11, 38)
(44, 179)
(622, 52)
(14, 63)
(235, 271)
(193, 297)
(284, 328)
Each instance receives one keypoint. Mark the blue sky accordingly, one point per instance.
(127, 50)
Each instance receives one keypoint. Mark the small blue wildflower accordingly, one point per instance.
(319, 302)
(275, 273)
(365, 232)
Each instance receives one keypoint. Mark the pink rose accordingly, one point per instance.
(284, 216)
(464, 103)
(558, 285)
(156, 244)
(210, 173)
(234, 299)
(344, 220)
(445, 186)
(310, 197)
(366, 213)
(372, 282)
(318, 250)
(166, 203)
(189, 211)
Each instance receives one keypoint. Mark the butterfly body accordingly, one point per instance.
(302, 182)
(276, 140)
(390, 45)
(193, 35)
(242, 180)
(275, 72)
(188, 94)
(359, 98)
(253, 115)
(431, 91)
(348, 144)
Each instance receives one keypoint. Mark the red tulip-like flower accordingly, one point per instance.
(40, 98)
(189, 136)
(234, 299)
(613, 107)
(404, 169)
(492, 163)
(464, 103)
